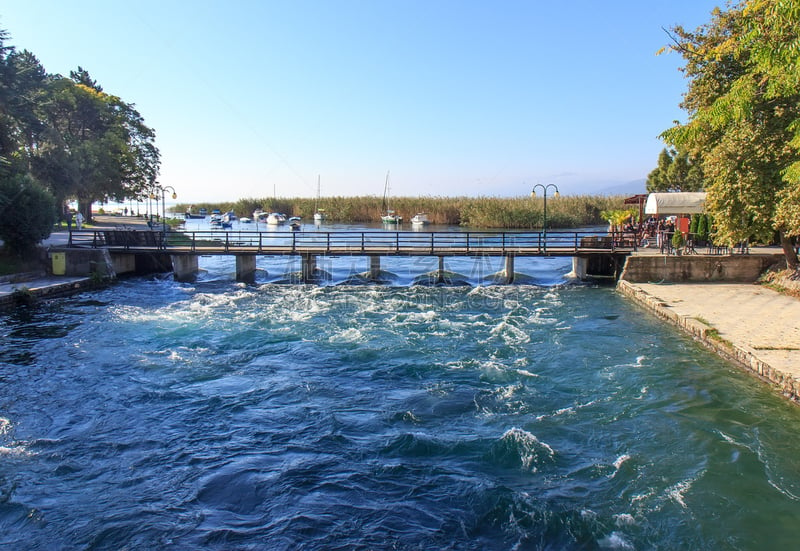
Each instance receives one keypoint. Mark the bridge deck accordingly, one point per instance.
(358, 243)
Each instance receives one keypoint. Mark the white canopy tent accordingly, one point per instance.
(680, 202)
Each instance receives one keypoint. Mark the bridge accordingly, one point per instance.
(602, 250)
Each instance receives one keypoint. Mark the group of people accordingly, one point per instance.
(78, 219)
(652, 232)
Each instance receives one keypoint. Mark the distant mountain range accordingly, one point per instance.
(628, 188)
(604, 188)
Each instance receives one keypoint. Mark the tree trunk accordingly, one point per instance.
(788, 252)
(85, 208)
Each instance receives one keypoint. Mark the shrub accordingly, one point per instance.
(27, 213)
(677, 239)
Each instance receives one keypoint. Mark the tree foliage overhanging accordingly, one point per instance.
(743, 102)
(68, 137)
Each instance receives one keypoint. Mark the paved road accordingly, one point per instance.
(750, 316)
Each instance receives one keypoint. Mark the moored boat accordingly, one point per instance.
(420, 219)
(276, 218)
(389, 216)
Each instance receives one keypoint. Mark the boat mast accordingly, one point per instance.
(386, 194)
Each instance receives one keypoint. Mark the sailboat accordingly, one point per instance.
(389, 216)
(319, 214)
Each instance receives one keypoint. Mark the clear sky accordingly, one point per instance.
(453, 97)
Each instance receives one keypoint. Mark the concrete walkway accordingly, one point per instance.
(751, 324)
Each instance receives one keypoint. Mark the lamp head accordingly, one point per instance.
(556, 194)
(174, 195)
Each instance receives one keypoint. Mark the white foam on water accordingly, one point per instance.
(509, 333)
(529, 446)
(526, 373)
(14, 451)
(620, 460)
(677, 491)
(615, 540)
(624, 519)
(351, 335)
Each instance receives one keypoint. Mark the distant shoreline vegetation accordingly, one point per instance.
(475, 212)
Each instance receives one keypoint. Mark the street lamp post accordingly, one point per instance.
(164, 205)
(544, 195)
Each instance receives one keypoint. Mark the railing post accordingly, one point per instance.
(227, 243)
(504, 242)
(397, 241)
(467, 242)
(363, 248)
(328, 243)
(433, 246)
(294, 242)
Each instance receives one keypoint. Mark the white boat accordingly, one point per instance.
(420, 219)
(245, 220)
(276, 218)
(389, 216)
(319, 214)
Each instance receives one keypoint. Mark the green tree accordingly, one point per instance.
(95, 146)
(744, 118)
(675, 172)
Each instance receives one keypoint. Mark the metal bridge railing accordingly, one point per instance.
(358, 242)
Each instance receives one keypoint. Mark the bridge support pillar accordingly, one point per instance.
(184, 267)
(246, 268)
(508, 272)
(309, 266)
(580, 265)
(374, 267)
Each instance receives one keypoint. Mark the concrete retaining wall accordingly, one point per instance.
(787, 385)
(85, 262)
(693, 268)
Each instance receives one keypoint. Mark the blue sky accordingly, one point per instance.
(251, 98)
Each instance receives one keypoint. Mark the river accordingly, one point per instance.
(215, 415)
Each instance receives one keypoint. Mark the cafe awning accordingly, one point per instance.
(679, 202)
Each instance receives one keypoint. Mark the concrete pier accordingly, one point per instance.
(184, 267)
(580, 267)
(309, 267)
(508, 271)
(246, 268)
(374, 267)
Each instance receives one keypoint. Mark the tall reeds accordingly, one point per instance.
(476, 212)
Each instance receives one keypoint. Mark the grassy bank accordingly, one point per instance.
(475, 212)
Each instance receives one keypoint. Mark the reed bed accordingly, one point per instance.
(475, 212)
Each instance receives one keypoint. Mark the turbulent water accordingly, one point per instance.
(161, 415)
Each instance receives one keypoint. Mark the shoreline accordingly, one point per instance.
(750, 325)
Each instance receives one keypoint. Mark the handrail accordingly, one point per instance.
(454, 243)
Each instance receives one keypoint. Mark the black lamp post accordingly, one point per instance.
(544, 195)
(164, 207)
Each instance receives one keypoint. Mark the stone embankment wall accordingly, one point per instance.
(697, 269)
(707, 335)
